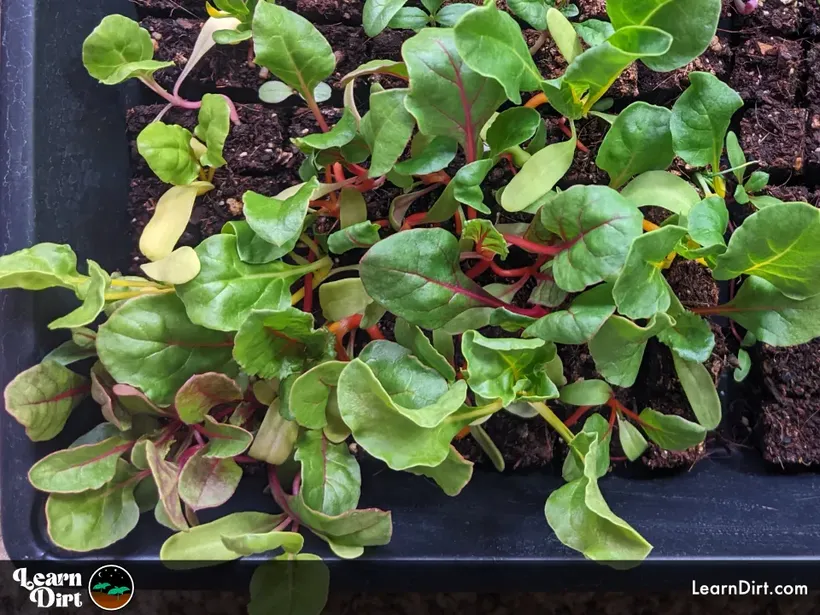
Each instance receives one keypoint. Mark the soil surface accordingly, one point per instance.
(775, 136)
(768, 69)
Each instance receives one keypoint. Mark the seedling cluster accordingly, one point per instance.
(214, 359)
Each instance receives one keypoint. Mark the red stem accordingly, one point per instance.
(575, 416)
(187, 454)
(356, 169)
(314, 108)
(245, 459)
(531, 246)
(307, 305)
(375, 333)
(338, 173)
(477, 269)
(510, 273)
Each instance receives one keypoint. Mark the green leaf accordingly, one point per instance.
(778, 244)
(151, 344)
(331, 478)
(401, 437)
(512, 127)
(279, 221)
(93, 301)
(619, 346)
(707, 222)
(275, 438)
(449, 15)
(466, 188)
(214, 124)
(631, 439)
(118, 49)
(412, 338)
(594, 31)
(433, 155)
(171, 216)
(274, 92)
(539, 175)
(70, 352)
(481, 231)
(491, 44)
(690, 337)
(640, 140)
(44, 265)
(341, 134)
(595, 433)
(251, 248)
(447, 97)
(203, 392)
(81, 468)
(736, 156)
(278, 343)
(452, 475)
(226, 290)
(508, 369)
(386, 128)
(409, 18)
(534, 12)
(356, 237)
(670, 432)
(167, 150)
(578, 323)
(691, 23)
(203, 546)
(564, 35)
(547, 293)
(757, 181)
(386, 67)
(225, 440)
(700, 391)
(94, 519)
(290, 47)
(378, 13)
(251, 544)
(208, 482)
(596, 226)
(586, 393)
(343, 298)
(700, 119)
(166, 477)
(744, 365)
(299, 585)
(641, 290)
(662, 189)
(42, 397)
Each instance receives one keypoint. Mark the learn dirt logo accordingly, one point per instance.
(111, 587)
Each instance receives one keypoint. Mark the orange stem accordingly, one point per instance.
(536, 101)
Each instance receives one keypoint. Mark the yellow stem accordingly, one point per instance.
(536, 101)
(477, 413)
(550, 417)
(297, 296)
(311, 244)
(649, 226)
(134, 284)
(136, 293)
(211, 173)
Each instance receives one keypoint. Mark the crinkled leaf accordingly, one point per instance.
(691, 337)
(312, 392)
(208, 482)
(279, 221)
(452, 475)
(387, 128)
(594, 433)
(700, 390)
(331, 478)
(102, 392)
(203, 392)
(580, 321)
(670, 432)
(251, 247)
(166, 476)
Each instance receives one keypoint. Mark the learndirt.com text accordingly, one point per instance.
(748, 588)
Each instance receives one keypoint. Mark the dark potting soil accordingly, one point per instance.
(591, 133)
(813, 140)
(768, 69)
(524, 444)
(331, 11)
(775, 17)
(350, 48)
(776, 136)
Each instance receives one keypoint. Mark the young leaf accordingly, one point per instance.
(736, 156)
(619, 346)
(641, 290)
(150, 343)
(594, 31)
(512, 127)
(251, 544)
(447, 97)
(631, 439)
(331, 478)
(208, 482)
(225, 440)
(466, 188)
(757, 181)
(691, 337)
(491, 44)
(343, 298)
(564, 35)
(278, 343)
(579, 322)
(707, 222)
(290, 47)
(42, 397)
(744, 365)
(356, 237)
(428, 155)
(662, 189)
(691, 23)
(166, 476)
(203, 392)
(214, 124)
(700, 391)
(700, 119)
(274, 92)
(412, 338)
(279, 221)
(596, 226)
(94, 519)
(595, 432)
(452, 475)
(45, 265)
(171, 216)
(300, 584)
(275, 438)
(387, 128)
(481, 231)
(449, 15)
(167, 150)
(341, 134)
(80, 468)
(118, 49)
(93, 293)
(312, 392)
(180, 266)
(670, 432)
(113, 411)
(778, 244)
(378, 13)
(586, 393)
(640, 140)
(70, 352)
(534, 12)
(252, 249)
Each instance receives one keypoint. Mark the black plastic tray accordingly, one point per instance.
(65, 172)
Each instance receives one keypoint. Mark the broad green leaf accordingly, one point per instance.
(356, 237)
(166, 477)
(279, 221)
(700, 119)
(449, 15)
(619, 346)
(118, 49)
(691, 24)
(251, 247)
(81, 468)
(226, 290)
(352, 207)
(512, 127)
(690, 337)
(70, 352)
(299, 585)
(214, 124)
(491, 44)
(594, 31)
(42, 397)
(412, 338)
(378, 13)
(662, 189)
(640, 140)
(331, 478)
(778, 244)
(670, 432)
(594, 433)
(275, 438)
(452, 475)
(93, 300)
(707, 223)
(744, 365)
(386, 128)
(274, 92)
(564, 35)
(416, 275)
(596, 226)
(428, 155)
(203, 392)
(466, 188)
(641, 290)
(312, 392)
(291, 47)
(580, 321)
(700, 391)
(94, 519)
(534, 12)
(171, 216)
(341, 134)
(41, 266)
(151, 344)
(343, 298)
(167, 150)
(208, 482)
(386, 67)
(409, 18)
(508, 369)
(384, 429)
(225, 440)
(202, 545)
(251, 544)
(631, 439)
(447, 97)
(586, 393)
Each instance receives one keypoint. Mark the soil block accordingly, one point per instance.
(524, 443)
(387, 45)
(780, 17)
(789, 425)
(591, 133)
(224, 66)
(776, 136)
(813, 70)
(254, 147)
(768, 69)
(331, 11)
(349, 47)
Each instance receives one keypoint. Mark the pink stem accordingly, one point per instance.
(746, 7)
